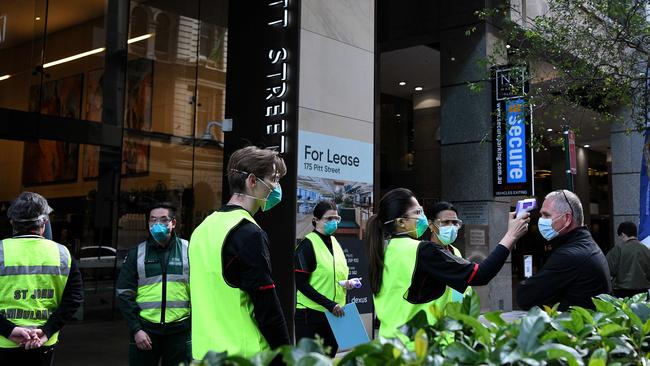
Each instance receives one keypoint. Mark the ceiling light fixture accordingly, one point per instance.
(587, 145)
(402, 83)
(418, 88)
(38, 18)
(549, 130)
(92, 52)
(398, 115)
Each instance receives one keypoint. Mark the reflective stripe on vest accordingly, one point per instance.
(222, 316)
(33, 275)
(150, 289)
(330, 269)
(393, 310)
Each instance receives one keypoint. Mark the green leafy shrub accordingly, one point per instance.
(616, 333)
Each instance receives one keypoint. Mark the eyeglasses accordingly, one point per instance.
(417, 212)
(567, 202)
(450, 222)
(332, 218)
(163, 220)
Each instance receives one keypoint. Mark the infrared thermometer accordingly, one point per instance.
(524, 206)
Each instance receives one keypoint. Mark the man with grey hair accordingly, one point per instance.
(577, 269)
(40, 285)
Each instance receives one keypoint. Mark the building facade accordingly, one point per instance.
(109, 105)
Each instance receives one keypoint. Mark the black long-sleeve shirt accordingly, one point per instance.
(575, 272)
(437, 267)
(304, 264)
(71, 299)
(247, 265)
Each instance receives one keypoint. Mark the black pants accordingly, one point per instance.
(171, 349)
(622, 292)
(42, 356)
(311, 322)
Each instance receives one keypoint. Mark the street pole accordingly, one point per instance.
(567, 155)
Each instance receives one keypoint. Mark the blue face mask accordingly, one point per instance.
(545, 227)
(330, 227)
(447, 234)
(159, 232)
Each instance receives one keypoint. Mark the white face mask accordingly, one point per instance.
(447, 234)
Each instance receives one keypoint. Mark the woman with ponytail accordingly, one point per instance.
(397, 259)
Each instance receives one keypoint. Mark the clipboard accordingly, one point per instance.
(348, 329)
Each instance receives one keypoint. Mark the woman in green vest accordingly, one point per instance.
(321, 273)
(407, 275)
(444, 225)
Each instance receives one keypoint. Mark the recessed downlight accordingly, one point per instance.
(402, 83)
(418, 88)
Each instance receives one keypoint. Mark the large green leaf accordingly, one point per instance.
(314, 359)
(472, 304)
(584, 313)
(421, 344)
(611, 330)
(462, 353)
(529, 331)
(264, 358)
(556, 351)
(598, 358)
(642, 310)
(310, 345)
(481, 332)
(603, 306)
(495, 318)
(214, 358)
(416, 323)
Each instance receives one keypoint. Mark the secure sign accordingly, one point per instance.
(515, 142)
(512, 134)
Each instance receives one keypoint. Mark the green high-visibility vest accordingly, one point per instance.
(33, 275)
(330, 269)
(393, 310)
(222, 316)
(175, 284)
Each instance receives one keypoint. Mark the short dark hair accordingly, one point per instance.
(321, 208)
(432, 211)
(28, 212)
(253, 160)
(166, 205)
(628, 228)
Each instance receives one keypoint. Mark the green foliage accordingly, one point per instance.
(578, 53)
(616, 333)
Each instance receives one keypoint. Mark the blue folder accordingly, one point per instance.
(348, 329)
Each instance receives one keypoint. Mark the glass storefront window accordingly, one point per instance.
(101, 184)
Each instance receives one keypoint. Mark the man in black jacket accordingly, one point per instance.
(577, 269)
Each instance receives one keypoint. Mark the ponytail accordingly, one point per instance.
(375, 243)
(379, 228)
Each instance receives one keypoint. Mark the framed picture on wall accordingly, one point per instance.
(94, 96)
(139, 94)
(48, 161)
(135, 157)
(89, 162)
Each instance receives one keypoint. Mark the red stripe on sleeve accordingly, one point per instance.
(471, 277)
(267, 287)
(301, 271)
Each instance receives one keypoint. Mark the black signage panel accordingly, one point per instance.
(262, 100)
(511, 133)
